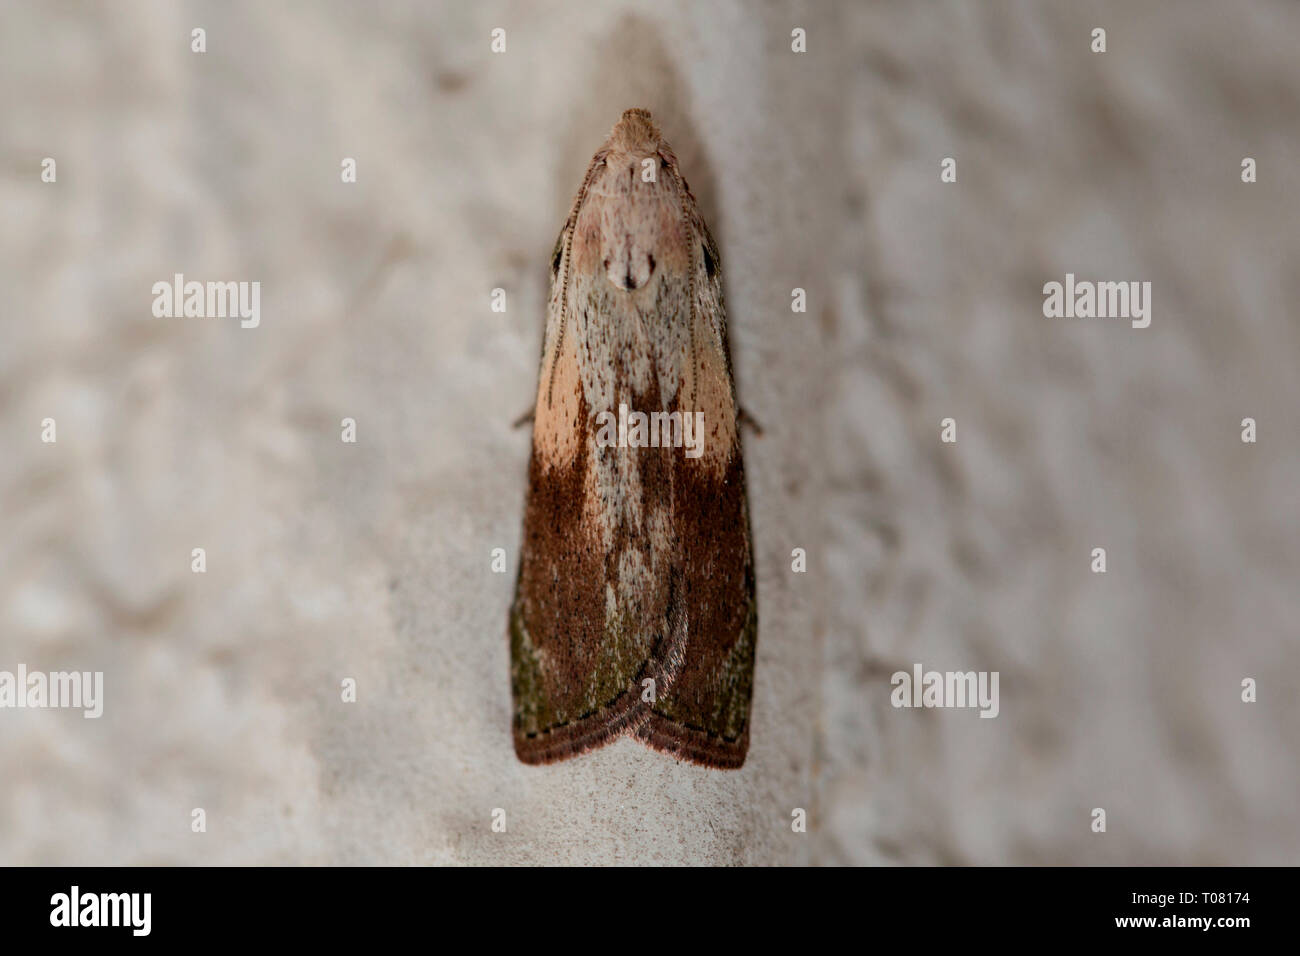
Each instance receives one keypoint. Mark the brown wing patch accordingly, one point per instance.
(703, 715)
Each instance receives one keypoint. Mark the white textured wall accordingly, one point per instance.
(817, 170)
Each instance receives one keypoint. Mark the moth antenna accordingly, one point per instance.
(564, 279)
(690, 231)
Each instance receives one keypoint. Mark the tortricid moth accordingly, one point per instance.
(635, 610)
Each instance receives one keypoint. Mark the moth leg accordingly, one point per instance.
(525, 418)
(744, 418)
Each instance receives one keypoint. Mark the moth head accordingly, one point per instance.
(635, 132)
(631, 224)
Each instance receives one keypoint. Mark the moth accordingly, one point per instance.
(634, 610)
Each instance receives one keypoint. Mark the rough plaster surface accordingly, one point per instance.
(819, 170)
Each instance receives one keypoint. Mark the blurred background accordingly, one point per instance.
(817, 170)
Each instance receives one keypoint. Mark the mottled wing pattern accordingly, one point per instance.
(634, 611)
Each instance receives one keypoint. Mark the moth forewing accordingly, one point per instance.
(634, 610)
